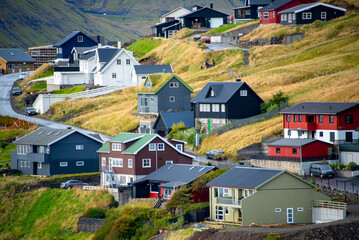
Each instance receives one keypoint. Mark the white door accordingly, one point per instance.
(216, 22)
(289, 215)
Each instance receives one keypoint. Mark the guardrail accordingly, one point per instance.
(330, 204)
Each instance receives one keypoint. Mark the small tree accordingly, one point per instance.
(332, 166)
(341, 166)
(313, 180)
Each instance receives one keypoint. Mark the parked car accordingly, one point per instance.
(197, 37)
(23, 75)
(72, 183)
(205, 39)
(8, 172)
(30, 111)
(321, 169)
(16, 91)
(215, 154)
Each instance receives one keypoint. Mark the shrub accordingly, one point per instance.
(341, 166)
(313, 180)
(3, 145)
(352, 166)
(95, 213)
(276, 100)
(332, 166)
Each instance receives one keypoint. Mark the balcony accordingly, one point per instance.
(229, 201)
(38, 157)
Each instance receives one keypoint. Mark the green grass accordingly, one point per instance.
(47, 74)
(144, 45)
(225, 27)
(5, 154)
(37, 87)
(69, 90)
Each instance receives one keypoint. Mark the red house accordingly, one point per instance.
(331, 122)
(269, 13)
(131, 156)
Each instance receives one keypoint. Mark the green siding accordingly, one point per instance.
(286, 181)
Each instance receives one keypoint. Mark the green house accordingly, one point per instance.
(262, 196)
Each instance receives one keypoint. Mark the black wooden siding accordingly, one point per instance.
(203, 17)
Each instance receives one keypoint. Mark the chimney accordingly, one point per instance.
(211, 5)
(238, 80)
(99, 45)
(118, 44)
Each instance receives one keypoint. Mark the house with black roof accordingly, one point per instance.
(205, 17)
(139, 73)
(248, 195)
(74, 39)
(167, 179)
(49, 151)
(165, 121)
(250, 10)
(15, 60)
(221, 102)
(309, 13)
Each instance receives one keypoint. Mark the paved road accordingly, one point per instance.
(219, 46)
(6, 83)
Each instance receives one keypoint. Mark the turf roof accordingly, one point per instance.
(159, 81)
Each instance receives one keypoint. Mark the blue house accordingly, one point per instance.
(49, 151)
(165, 121)
(75, 39)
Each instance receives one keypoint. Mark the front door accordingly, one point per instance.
(34, 168)
(332, 136)
(289, 215)
(349, 137)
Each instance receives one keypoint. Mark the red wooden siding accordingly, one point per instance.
(314, 149)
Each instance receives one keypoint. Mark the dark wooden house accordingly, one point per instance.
(166, 29)
(250, 10)
(308, 13)
(49, 151)
(221, 102)
(204, 18)
(165, 121)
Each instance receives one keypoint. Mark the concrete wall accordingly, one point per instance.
(89, 225)
(327, 214)
(220, 39)
(347, 157)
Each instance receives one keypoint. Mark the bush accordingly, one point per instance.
(313, 180)
(332, 166)
(95, 213)
(352, 166)
(341, 166)
(3, 145)
(276, 100)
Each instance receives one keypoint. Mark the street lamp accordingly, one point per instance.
(273, 34)
(49, 96)
(25, 97)
(72, 116)
(99, 107)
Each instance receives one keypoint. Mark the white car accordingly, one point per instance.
(23, 75)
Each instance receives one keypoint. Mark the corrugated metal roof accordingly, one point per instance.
(150, 69)
(105, 148)
(274, 5)
(304, 7)
(245, 177)
(330, 108)
(15, 55)
(126, 137)
(139, 144)
(44, 136)
(292, 142)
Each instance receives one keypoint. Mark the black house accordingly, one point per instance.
(250, 10)
(204, 18)
(308, 13)
(221, 102)
(166, 29)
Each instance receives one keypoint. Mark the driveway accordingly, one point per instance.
(6, 83)
(219, 46)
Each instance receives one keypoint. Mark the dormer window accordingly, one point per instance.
(116, 146)
(80, 38)
(212, 93)
(148, 84)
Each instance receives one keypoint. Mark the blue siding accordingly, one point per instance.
(69, 45)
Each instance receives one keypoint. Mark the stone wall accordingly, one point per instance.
(89, 225)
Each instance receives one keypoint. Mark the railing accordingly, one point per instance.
(66, 69)
(344, 142)
(330, 204)
(223, 200)
(295, 159)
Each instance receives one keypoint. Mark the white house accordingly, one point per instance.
(113, 67)
(139, 73)
(175, 14)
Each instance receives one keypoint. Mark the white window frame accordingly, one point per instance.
(212, 93)
(172, 98)
(278, 210)
(306, 15)
(103, 161)
(117, 162)
(265, 15)
(118, 61)
(25, 162)
(39, 165)
(219, 213)
(80, 163)
(223, 107)
(79, 147)
(179, 147)
(215, 107)
(21, 164)
(243, 93)
(169, 162)
(128, 61)
(80, 38)
(160, 146)
(290, 219)
(130, 163)
(116, 147)
(110, 164)
(323, 15)
(63, 164)
(294, 16)
(152, 99)
(203, 107)
(146, 163)
(300, 209)
(152, 147)
(226, 210)
(113, 75)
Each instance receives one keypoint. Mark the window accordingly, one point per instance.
(152, 99)
(130, 163)
(294, 151)
(243, 93)
(265, 15)
(282, 17)
(248, 12)
(160, 146)
(35, 53)
(215, 120)
(221, 192)
(219, 213)
(110, 164)
(311, 118)
(113, 75)
(285, 17)
(179, 147)
(307, 15)
(80, 163)
(278, 210)
(172, 98)
(295, 117)
(348, 119)
(169, 162)
(320, 118)
(21, 164)
(226, 210)
(63, 164)
(204, 107)
(103, 161)
(128, 61)
(300, 209)
(80, 38)
(293, 16)
(146, 163)
(116, 146)
(289, 132)
(299, 118)
(79, 147)
(331, 118)
(212, 93)
(118, 61)
(300, 132)
(143, 101)
(59, 50)
(215, 107)
(39, 165)
(223, 107)
(323, 15)
(320, 134)
(174, 84)
(287, 118)
(152, 147)
(154, 187)
(277, 150)
(117, 162)
(273, 13)
(25, 163)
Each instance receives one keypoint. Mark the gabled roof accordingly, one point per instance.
(245, 177)
(106, 54)
(176, 174)
(163, 13)
(305, 7)
(256, 3)
(139, 144)
(150, 69)
(274, 5)
(87, 55)
(82, 50)
(174, 10)
(15, 55)
(223, 91)
(70, 36)
(46, 136)
(169, 27)
(170, 23)
(330, 108)
(126, 137)
(202, 9)
(159, 81)
(170, 118)
(294, 142)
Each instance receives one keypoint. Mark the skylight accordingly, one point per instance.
(192, 167)
(50, 133)
(57, 133)
(41, 132)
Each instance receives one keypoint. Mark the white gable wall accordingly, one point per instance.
(176, 14)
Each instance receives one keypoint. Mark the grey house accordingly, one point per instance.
(162, 93)
(49, 151)
(165, 121)
(139, 73)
